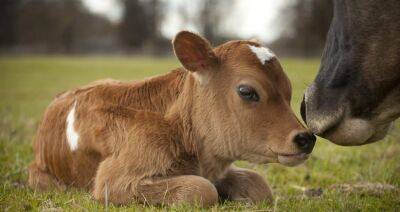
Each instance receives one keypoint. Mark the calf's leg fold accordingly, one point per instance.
(187, 189)
(116, 185)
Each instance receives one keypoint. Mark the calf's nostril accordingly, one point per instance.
(305, 141)
(301, 140)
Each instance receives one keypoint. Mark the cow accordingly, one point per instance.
(355, 96)
(172, 139)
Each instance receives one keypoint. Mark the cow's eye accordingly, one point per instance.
(247, 93)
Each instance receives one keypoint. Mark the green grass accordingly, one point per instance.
(348, 177)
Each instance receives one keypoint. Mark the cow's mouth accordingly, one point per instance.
(379, 134)
(354, 132)
(292, 159)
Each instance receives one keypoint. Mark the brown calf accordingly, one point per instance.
(172, 139)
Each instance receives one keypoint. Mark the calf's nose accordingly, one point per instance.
(305, 141)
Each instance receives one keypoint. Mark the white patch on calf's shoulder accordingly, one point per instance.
(72, 135)
(263, 54)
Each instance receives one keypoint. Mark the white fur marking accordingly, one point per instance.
(72, 135)
(263, 54)
(202, 78)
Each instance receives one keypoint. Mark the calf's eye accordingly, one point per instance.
(247, 93)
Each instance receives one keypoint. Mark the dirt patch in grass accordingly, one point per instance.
(376, 189)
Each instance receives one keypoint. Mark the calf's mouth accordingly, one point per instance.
(292, 159)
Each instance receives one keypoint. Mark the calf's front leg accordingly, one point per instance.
(137, 170)
(188, 189)
(243, 185)
(118, 186)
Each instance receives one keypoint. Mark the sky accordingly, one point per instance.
(247, 18)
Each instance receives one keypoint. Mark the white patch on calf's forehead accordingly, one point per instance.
(72, 135)
(263, 54)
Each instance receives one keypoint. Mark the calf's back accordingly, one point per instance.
(97, 109)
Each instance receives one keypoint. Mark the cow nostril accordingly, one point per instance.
(305, 141)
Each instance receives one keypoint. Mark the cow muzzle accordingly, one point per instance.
(340, 128)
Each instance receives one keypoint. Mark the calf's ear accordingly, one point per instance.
(194, 52)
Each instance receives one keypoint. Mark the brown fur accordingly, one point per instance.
(171, 139)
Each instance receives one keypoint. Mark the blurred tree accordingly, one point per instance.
(211, 19)
(62, 26)
(140, 25)
(134, 28)
(155, 17)
(52, 25)
(208, 18)
(8, 19)
(307, 22)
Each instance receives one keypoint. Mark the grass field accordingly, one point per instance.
(335, 178)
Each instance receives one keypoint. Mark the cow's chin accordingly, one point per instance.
(355, 132)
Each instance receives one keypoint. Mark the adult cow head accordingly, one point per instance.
(356, 94)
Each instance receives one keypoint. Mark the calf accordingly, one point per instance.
(172, 139)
